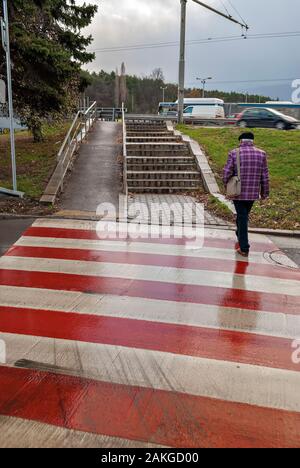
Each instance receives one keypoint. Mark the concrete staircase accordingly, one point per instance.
(158, 161)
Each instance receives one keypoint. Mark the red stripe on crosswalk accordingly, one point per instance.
(233, 298)
(246, 348)
(229, 266)
(93, 235)
(161, 417)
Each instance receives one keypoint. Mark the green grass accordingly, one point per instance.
(35, 161)
(282, 210)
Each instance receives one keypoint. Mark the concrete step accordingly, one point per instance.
(148, 134)
(159, 159)
(145, 128)
(164, 186)
(163, 168)
(152, 139)
(157, 148)
(164, 172)
(167, 179)
(167, 163)
(160, 156)
(166, 145)
(163, 182)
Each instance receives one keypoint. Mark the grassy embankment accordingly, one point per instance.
(35, 161)
(282, 210)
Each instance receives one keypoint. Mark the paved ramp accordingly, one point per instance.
(145, 342)
(95, 177)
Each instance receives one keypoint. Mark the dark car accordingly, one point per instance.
(266, 118)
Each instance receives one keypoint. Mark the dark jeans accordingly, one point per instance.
(243, 209)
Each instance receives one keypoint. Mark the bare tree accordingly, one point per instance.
(157, 75)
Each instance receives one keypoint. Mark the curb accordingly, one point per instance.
(208, 177)
(7, 217)
(275, 232)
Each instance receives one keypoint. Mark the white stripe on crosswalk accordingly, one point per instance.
(137, 247)
(153, 273)
(223, 380)
(32, 434)
(92, 226)
(198, 315)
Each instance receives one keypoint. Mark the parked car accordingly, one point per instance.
(267, 118)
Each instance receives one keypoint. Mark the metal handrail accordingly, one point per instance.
(94, 105)
(80, 127)
(68, 136)
(69, 139)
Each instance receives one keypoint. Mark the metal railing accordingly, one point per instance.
(124, 152)
(110, 114)
(78, 131)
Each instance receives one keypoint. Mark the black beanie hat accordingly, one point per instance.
(246, 136)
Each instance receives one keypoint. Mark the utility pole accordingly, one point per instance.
(203, 81)
(163, 88)
(182, 49)
(182, 62)
(6, 47)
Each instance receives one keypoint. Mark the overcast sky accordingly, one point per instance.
(130, 22)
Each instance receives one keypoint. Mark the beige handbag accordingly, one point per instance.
(234, 186)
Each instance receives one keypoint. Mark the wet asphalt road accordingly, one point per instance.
(11, 231)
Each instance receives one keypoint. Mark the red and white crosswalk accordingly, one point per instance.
(146, 342)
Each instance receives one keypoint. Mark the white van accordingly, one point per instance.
(205, 109)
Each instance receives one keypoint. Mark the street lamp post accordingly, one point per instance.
(163, 88)
(6, 47)
(182, 48)
(203, 81)
(182, 62)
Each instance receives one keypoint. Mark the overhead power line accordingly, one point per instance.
(220, 13)
(269, 80)
(157, 45)
(225, 8)
(236, 10)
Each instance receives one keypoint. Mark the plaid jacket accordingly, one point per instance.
(254, 171)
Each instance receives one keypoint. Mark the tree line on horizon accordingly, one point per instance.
(144, 93)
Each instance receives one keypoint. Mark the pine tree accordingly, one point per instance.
(47, 50)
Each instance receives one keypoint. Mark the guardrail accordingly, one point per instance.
(109, 113)
(78, 131)
(211, 122)
(191, 121)
(124, 151)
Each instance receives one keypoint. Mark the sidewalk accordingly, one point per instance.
(290, 245)
(145, 342)
(95, 177)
